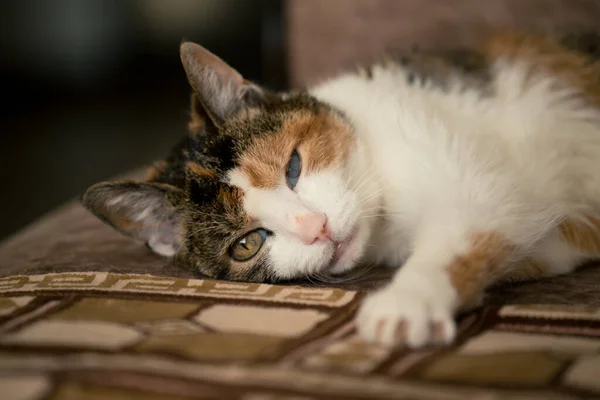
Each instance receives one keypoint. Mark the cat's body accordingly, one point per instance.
(462, 171)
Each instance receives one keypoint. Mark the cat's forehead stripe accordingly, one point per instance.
(248, 113)
(323, 138)
(232, 199)
(200, 170)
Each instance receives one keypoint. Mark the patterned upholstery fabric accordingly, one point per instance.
(99, 335)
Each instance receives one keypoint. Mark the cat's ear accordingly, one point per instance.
(145, 211)
(198, 115)
(220, 88)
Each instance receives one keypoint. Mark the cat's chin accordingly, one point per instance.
(342, 247)
(347, 252)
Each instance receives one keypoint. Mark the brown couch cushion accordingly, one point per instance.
(326, 36)
(71, 239)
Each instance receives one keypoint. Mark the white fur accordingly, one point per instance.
(324, 192)
(430, 168)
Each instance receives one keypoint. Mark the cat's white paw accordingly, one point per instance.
(396, 316)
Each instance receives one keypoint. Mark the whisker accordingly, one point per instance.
(365, 177)
(374, 215)
(349, 179)
(372, 194)
(372, 209)
(353, 276)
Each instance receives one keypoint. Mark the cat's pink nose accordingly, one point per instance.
(312, 227)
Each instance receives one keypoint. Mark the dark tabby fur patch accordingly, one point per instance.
(441, 69)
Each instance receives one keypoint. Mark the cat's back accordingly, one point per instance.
(518, 102)
(572, 59)
(508, 73)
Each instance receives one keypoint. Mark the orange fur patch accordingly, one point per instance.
(248, 113)
(471, 272)
(487, 262)
(323, 141)
(547, 55)
(155, 170)
(230, 197)
(200, 170)
(583, 236)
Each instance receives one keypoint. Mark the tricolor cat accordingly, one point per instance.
(460, 169)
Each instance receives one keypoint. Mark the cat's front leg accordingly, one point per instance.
(417, 308)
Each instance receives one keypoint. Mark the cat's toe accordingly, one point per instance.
(390, 318)
(443, 327)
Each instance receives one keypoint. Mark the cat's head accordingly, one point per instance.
(258, 191)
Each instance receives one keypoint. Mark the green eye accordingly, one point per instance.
(248, 245)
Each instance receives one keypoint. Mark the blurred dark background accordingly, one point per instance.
(93, 88)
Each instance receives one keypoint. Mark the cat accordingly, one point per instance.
(462, 169)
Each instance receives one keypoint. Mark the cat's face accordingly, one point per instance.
(260, 190)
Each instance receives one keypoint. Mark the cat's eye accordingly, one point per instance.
(248, 245)
(294, 167)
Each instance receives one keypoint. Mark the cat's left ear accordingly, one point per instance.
(149, 212)
(220, 88)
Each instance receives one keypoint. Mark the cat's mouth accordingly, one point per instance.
(341, 248)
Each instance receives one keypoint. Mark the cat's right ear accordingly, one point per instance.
(149, 212)
(198, 115)
(220, 88)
